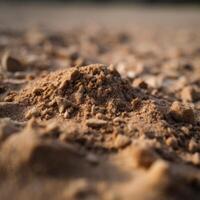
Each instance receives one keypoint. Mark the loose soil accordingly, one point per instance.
(100, 114)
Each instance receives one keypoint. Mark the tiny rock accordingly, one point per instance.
(96, 123)
(138, 82)
(75, 75)
(33, 112)
(118, 120)
(143, 157)
(62, 104)
(172, 142)
(182, 113)
(193, 146)
(195, 158)
(122, 141)
(190, 94)
(38, 91)
(11, 64)
(159, 172)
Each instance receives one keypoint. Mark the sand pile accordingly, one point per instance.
(80, 92)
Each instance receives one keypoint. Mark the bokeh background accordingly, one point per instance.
(64, 14)
(111, 1)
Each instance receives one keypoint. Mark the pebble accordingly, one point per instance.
(66, 114)
(11, 64)
(193, 146)
(118, 120)
(172, 142)
(182, 113)
(62, 104)
(96, 123)
(122, 141)
(38, 91)
(195, 159)
(136, 103)
(33, 112)
(185, 130)
(190, 94)
(138, 82)
(75, 75)
(159, 172)
(143, 157)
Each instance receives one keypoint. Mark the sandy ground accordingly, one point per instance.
(126, 128)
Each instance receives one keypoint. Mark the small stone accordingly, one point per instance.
(80, 62)
(79, 95)
(131, 74)
(159, 172)
(75, 75)
(122, 141)
(11, 64)
(63, 85)
(33, 112)
(136, 103)
(100, 116)
(193, 146)
(185, 130)
(118, 120)
(38, 91)
(138, 82)
(62, 104)
(172, 142)
(190, 94)
(66, 114)
(195, 159)
(182, 113)
(96, 123)
(52, 129)
(143, 157)
(154, 184)
(51, 103)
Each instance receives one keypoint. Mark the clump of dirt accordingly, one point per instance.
(79, 92)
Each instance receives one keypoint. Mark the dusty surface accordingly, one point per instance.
(104, 111)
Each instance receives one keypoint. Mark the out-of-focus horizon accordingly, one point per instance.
(106, 1)
(65, 14)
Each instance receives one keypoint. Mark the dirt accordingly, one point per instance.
(97, 113)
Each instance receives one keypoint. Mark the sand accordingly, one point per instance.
(97, 113)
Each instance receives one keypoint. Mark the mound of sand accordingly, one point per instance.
(80, 92)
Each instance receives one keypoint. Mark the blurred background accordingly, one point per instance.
(64, 14)
(110, 1)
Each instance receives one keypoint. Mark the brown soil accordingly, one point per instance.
(73, 129)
